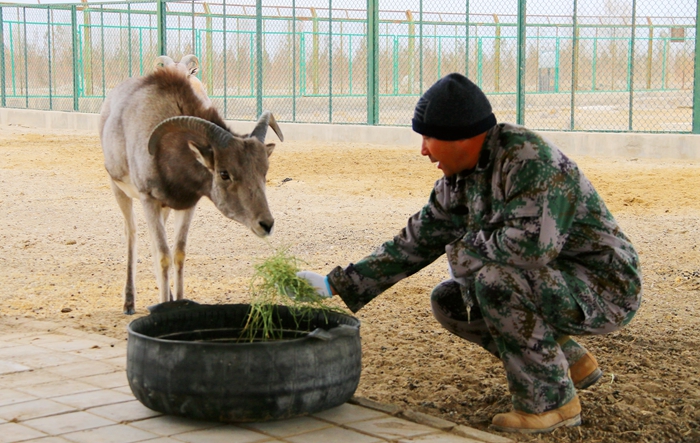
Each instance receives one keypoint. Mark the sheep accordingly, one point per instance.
(163, 146)
(188, 64)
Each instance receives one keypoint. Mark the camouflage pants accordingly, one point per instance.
(524, 318)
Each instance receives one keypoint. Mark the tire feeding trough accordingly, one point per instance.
(194, 360)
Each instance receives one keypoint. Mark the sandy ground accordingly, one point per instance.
(62, 257)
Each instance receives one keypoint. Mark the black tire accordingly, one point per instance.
(185, 361)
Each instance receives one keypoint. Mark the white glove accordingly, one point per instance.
(318, 281)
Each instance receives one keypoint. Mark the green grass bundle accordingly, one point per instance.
(275, 283)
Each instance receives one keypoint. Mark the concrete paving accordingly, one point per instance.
(60, 385)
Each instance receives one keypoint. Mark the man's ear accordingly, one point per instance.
(203, 154)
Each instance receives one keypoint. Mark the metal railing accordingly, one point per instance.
(632, 68)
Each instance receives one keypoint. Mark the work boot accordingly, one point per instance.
(585, 371)
(524, 423)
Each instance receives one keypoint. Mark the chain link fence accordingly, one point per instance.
(573, 65)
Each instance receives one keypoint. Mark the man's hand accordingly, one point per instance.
(318, 281)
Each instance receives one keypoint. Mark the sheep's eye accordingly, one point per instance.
(224, 175)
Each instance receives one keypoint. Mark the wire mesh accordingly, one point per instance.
(610, 65)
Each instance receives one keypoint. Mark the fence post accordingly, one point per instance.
(294, 61)
(128, 26)
(420, 47)
(650, 52)
(161, 25)
(696, 71)
(314, 51)
(87, 47)
(372, 62)
(522, 49)
(208, 49)
(225, 51)
(574, 67)
(26, 60)
(497, 55)
(466, 41)
(630, 68)
(74, 33)
(3, 98)
(330, 61)
(48, 52)
(259, 55)
(411, 49)
(102, 55)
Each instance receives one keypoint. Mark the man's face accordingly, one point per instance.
(447, 154)
(455, 156)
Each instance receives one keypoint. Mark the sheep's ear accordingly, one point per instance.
(203, 154)
(270, 147)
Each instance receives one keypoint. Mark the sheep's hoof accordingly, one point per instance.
(129, 310)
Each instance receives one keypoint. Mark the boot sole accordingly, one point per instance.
(592, 379)
(574, 421)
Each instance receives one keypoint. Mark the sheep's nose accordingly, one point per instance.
(267, 226)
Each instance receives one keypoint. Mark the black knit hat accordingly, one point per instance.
(453, 108)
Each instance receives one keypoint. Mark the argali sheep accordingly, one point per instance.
(166, 148)
(188, 64)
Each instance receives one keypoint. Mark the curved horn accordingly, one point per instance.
(191, 62)
(265, 120)
(162, 61)
(196, 125)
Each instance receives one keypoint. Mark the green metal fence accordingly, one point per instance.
(595, 65)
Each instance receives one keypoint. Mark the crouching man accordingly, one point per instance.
(535, 257)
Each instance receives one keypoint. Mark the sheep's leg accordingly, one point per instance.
(165, 212)
(182, 225)
(159, 245)
(126, 205)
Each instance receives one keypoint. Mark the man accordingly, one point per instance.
(534, 255)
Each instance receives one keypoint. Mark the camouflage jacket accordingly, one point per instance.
(524, 204)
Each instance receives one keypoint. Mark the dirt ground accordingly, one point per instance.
(62, 257)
